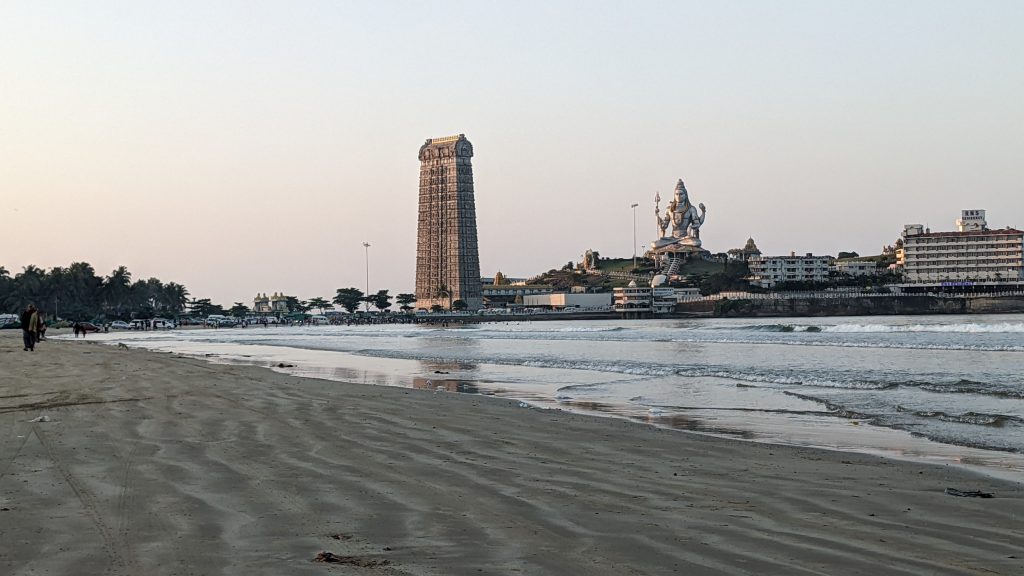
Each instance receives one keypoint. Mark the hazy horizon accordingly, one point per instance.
(244, 147)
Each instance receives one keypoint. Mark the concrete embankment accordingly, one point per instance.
(855, 306)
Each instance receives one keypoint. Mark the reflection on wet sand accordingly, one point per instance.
(464, 386)
(677, 421)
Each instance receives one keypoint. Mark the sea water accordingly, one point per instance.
(946, 387)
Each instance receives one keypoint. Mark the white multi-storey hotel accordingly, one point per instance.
(767, 271)
(973, 254)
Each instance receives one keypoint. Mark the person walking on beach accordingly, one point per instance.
(41, 332)
(29, 326)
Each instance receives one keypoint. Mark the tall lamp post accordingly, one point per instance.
(366, 246)
(633, 206)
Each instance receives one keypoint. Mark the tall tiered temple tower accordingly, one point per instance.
(447, 258)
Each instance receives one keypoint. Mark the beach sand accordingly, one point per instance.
(157, 464)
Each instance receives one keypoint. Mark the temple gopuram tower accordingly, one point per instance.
(447, 258)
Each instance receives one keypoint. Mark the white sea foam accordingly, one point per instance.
(968, 328)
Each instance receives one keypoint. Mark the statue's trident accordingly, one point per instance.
(657, 214)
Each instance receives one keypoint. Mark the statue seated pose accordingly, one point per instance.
(682, 216)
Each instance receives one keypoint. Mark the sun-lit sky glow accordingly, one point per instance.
(238, 147)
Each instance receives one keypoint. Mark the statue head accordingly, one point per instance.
(681, 196)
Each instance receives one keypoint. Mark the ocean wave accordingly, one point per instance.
(857, 344)
(965, 328)
(952, 327)
(962, 386)
(768, 328)
(976, 418)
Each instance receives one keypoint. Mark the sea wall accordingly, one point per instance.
(856, 306)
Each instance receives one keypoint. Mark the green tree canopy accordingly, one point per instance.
(405, 301)
(349, 298)
(318, 303)
(296, 305)
(381, 300)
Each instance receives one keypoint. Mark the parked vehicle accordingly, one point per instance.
(162, 323)
(120, 325)
(89, 327)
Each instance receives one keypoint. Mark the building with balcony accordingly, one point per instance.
(853, 267)
(970, 255)
(769, 271)
(633, 300)
(563, 300)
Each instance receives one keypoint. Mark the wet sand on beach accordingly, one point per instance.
(156, 464)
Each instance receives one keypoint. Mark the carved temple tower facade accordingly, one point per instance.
(447, 258)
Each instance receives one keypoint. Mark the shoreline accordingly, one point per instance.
(844, 435)
(153, 463)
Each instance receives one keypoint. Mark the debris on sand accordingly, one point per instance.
(332, 558)
(283, 365)
(43, 418)
(968, 493)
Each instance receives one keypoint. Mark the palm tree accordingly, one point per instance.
(443, 291)
(175, 297)
(117, 289)
(28, 286)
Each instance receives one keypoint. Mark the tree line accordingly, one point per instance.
(77, 292)
(349, 299)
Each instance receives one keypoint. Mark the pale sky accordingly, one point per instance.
(245, 146)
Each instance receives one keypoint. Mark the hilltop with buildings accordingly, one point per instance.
(972, 261)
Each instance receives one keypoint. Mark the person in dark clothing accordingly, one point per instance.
(29, 325)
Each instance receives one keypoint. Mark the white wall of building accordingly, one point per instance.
(767, 271)
(563, 300)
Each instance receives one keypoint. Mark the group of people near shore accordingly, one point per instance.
(33, 327)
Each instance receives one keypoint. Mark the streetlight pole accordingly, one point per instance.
(366, 246)
(633, 206)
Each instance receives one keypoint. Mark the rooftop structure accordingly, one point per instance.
(744, 254)
(277, 302)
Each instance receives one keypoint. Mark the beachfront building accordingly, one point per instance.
(562, 300)
(447, 257)
(633, 300)
(855, 267)
(261, 304)
(769, 271)
(973, 254)
(275, 304)
(504, 294)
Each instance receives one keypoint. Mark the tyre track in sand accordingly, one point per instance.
(114, 541)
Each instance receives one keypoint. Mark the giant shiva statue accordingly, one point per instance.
(682, 216)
